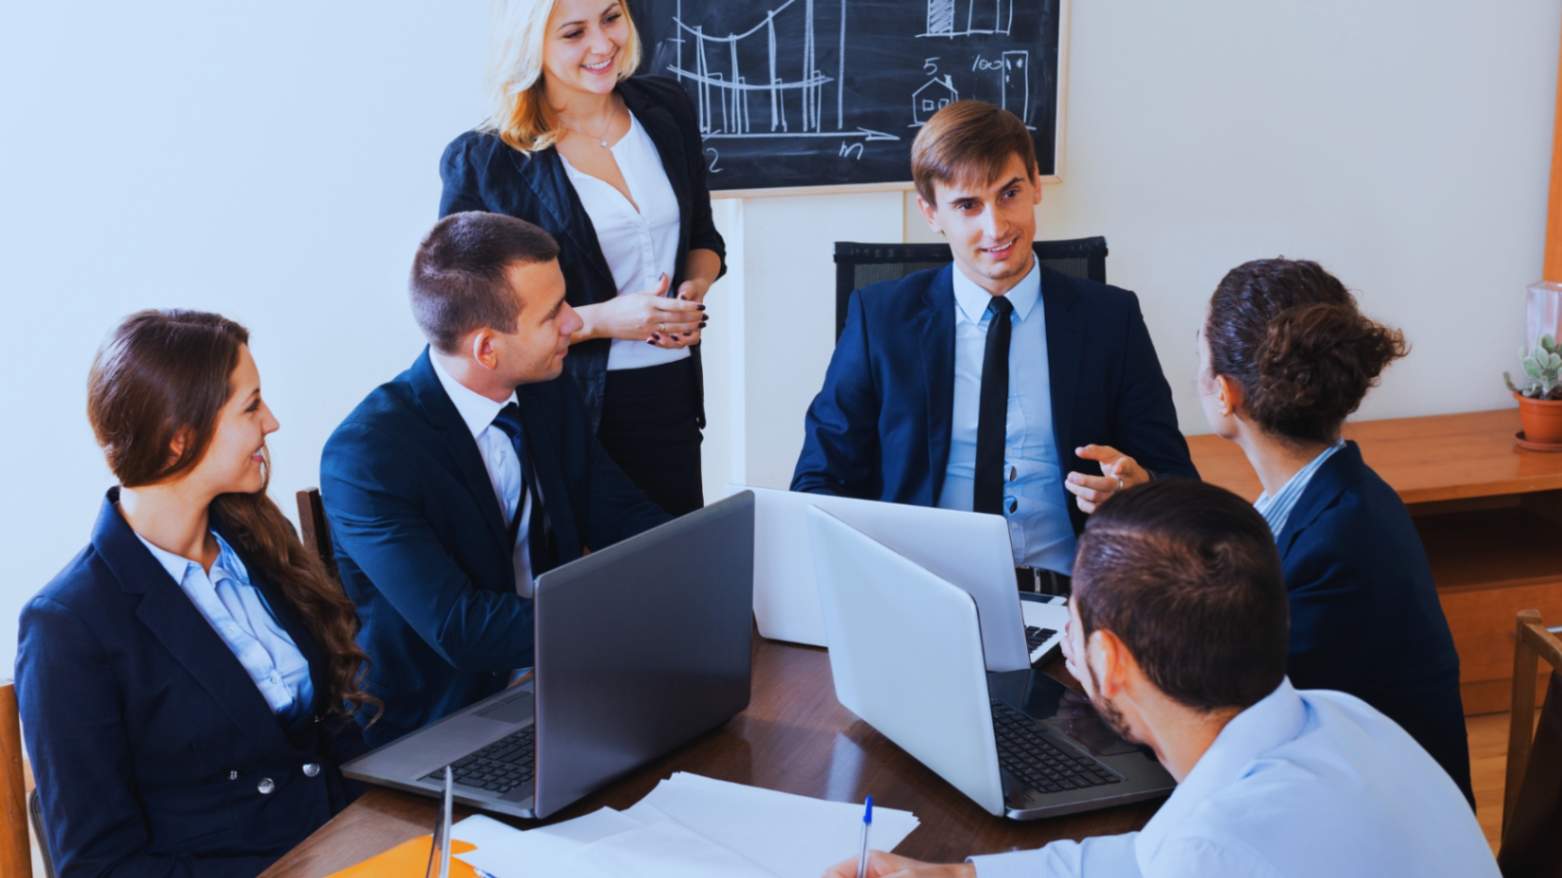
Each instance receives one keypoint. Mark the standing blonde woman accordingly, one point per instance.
(611, 165)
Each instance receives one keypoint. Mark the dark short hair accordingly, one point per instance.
(1290, 334)
(968, 141)
(458, 276)
(1187, 576)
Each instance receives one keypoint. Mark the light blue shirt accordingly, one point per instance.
(1277, 509)
(1300, 785)
(238, 613)
(1034, 501)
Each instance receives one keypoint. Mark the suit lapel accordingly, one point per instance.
(938, 371)
(1326, 484)
(1065, 340)
(544, 174)
(459, 444)
(546, 465)
(172, 618)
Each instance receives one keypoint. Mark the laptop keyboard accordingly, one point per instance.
(499, 767)
(1025, 752)
(1035, 637)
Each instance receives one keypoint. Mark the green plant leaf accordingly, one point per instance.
(1548, 343)
(1532, 367)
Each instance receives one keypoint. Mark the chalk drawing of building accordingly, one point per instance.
(931, 97)
(963, 18)
(745, 88)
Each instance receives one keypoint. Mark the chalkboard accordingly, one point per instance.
(830, 92)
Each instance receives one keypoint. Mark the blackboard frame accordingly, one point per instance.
(1059, 135)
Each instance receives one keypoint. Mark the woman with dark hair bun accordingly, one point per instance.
(1285, 357)
(185, 682)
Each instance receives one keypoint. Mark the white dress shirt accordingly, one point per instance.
(504, 469)
(1034, 501)
(1300, 785)
(639, 245)
(238, 612)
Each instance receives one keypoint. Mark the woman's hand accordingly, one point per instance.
(647, 316)
(882, 865)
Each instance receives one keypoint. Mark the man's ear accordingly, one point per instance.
(482, 350)
(929, 215)
(1111, 660)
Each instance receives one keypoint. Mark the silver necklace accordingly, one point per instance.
(601, 138)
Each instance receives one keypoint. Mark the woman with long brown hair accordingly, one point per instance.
(186, 681)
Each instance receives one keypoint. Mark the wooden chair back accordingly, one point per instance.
(313, 529)
(16, 856)
(1532, 643)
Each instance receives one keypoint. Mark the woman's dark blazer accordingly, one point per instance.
(150, 743)
(481, 172)
(1365, 618)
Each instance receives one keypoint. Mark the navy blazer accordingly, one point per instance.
(154, 751)
(880, 426)
(422, 546)
(1365, 618)
(481, 172)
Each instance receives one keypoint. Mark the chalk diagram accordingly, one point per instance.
(981, 17)
(744, 91)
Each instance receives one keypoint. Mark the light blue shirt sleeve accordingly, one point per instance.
(1109, 856)
(238, 612)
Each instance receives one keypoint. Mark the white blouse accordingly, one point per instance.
(639, 245)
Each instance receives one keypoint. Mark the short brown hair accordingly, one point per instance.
(966, 141)
(458, 276)
(1289, 333)
(1187, 576)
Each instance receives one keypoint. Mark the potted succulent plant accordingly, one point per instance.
(1540, 398)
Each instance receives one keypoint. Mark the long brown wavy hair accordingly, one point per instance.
(163, 374)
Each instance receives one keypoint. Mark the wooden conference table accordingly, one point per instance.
(794, 737)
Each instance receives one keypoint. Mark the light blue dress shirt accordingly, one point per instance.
(239, 614)
(1277, 509)
(1034, 501)
(1300, 785)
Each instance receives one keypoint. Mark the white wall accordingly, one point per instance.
(276, 162)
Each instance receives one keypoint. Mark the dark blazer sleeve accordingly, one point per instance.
(458, 174)
(80, 751)
(1145, 419)
(1330, 610)
(840, 432)
(378, 513)
(702, 229)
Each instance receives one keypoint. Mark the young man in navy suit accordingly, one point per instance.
(992, 384)
(451, 488)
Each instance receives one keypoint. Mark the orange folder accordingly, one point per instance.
(408, 860)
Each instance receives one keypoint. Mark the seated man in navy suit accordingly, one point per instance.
(930, 400)
(450, 488)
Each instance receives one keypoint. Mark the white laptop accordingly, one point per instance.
(906, 656)
(969, 549)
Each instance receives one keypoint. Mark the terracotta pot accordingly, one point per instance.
(1542, 419)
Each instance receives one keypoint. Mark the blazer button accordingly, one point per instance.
(265, 786)
(311, 769)
(233, 775)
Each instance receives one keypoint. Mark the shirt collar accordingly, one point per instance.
(476, 410)
(178, 565)
(1277, 718)
(1277, 508)
(971, 301)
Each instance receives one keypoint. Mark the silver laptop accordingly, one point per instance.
(968, 549)
(641, 647)
(906, 656)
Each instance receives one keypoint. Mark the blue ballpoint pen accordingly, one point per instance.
(867, 821)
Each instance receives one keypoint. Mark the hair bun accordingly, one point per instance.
(1316, 363)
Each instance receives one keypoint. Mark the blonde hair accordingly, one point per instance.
(520, 114)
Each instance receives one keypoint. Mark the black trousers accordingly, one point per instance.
(650, 427)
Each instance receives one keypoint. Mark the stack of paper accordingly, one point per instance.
(687, 827)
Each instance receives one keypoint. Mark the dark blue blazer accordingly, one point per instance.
(880, 427)
(1365, 618)
(423, 549)
(481, 172)
(148, 739)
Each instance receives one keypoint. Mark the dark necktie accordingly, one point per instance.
(993, 412)
(537, 543)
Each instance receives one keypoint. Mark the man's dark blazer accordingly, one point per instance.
(879, 429)
(149, 740)
(1365, 618)
(481, 172)
(422, 546)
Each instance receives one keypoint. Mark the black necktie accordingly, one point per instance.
(993, 413)
(537, 543)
